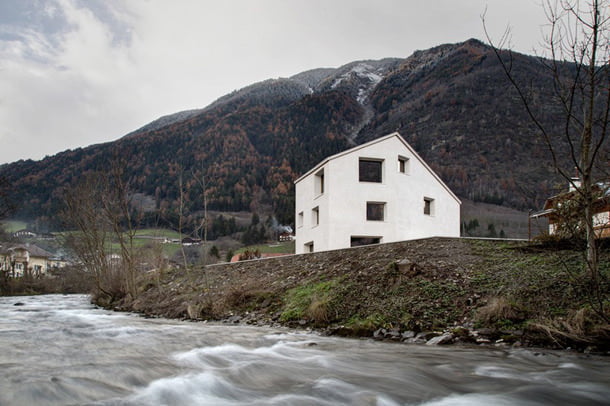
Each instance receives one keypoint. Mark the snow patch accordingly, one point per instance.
(367, 77)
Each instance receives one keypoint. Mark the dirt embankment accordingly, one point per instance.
(440, 288)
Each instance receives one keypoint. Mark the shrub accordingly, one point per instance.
(247, 297)
(498, 311)
(319, 310)
(581, 328)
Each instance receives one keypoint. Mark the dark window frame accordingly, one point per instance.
(370, 170)
(319, 182)
(403, 164)
(375, 211)
(357, 241)
(428, 206)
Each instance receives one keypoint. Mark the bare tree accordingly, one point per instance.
(123, 218)
(181, 204)
(203, 227)
(100, 211)
(83, 213)
(578, 62)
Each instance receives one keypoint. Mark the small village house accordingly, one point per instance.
(381, 191)
(557, 209)
(27, 259)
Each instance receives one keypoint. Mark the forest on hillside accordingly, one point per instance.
(452, 103)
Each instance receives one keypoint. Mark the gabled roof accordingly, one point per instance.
(549, 204)
(373, 142)
(34, 250)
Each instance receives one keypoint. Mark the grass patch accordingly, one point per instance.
(311, 302)
(365, 326)
(10, 226)
(286, 247)
(158, 233)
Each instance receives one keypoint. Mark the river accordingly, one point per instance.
(61, 350)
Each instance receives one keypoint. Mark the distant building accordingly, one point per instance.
(22, 259)
(601, 208)
(282, 237)
(188, 241)
(377, 192)
(25, 233)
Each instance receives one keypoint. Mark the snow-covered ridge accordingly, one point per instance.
(364, 71)
(368, 77)
(358, 78)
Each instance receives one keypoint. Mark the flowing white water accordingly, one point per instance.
(60, 350)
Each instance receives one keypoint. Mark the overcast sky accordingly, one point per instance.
(80, 72)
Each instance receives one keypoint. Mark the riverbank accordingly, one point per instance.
(99, 358)
(441, 289)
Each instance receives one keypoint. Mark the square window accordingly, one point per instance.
(428, 206)
(370, 170)
(375, 211)
(309, 247)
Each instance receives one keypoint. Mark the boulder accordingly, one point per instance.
(407, 267)
(234, 319)
(379, 334)
(407, 334)
(393, 334)
(445, 338)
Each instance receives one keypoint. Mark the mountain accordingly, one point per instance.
(453, 103)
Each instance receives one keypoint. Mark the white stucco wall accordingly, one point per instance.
(342, 206)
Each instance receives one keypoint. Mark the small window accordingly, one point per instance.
(309, 247)
(359, 241)
(315, 216)
(428, 206)
(370, 170)
(319, 182)
(300, 219)
(403, 164)
(375, 211)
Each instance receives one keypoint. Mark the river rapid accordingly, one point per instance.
(61, 350)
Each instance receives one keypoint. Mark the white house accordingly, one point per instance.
(377, 192)
(22, 259)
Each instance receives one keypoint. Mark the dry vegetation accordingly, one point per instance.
(422, 285)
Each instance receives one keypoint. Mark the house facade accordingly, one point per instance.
(559, 214)
(377, 192)
(27, 259)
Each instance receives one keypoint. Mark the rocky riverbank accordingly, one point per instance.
(437, 291)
